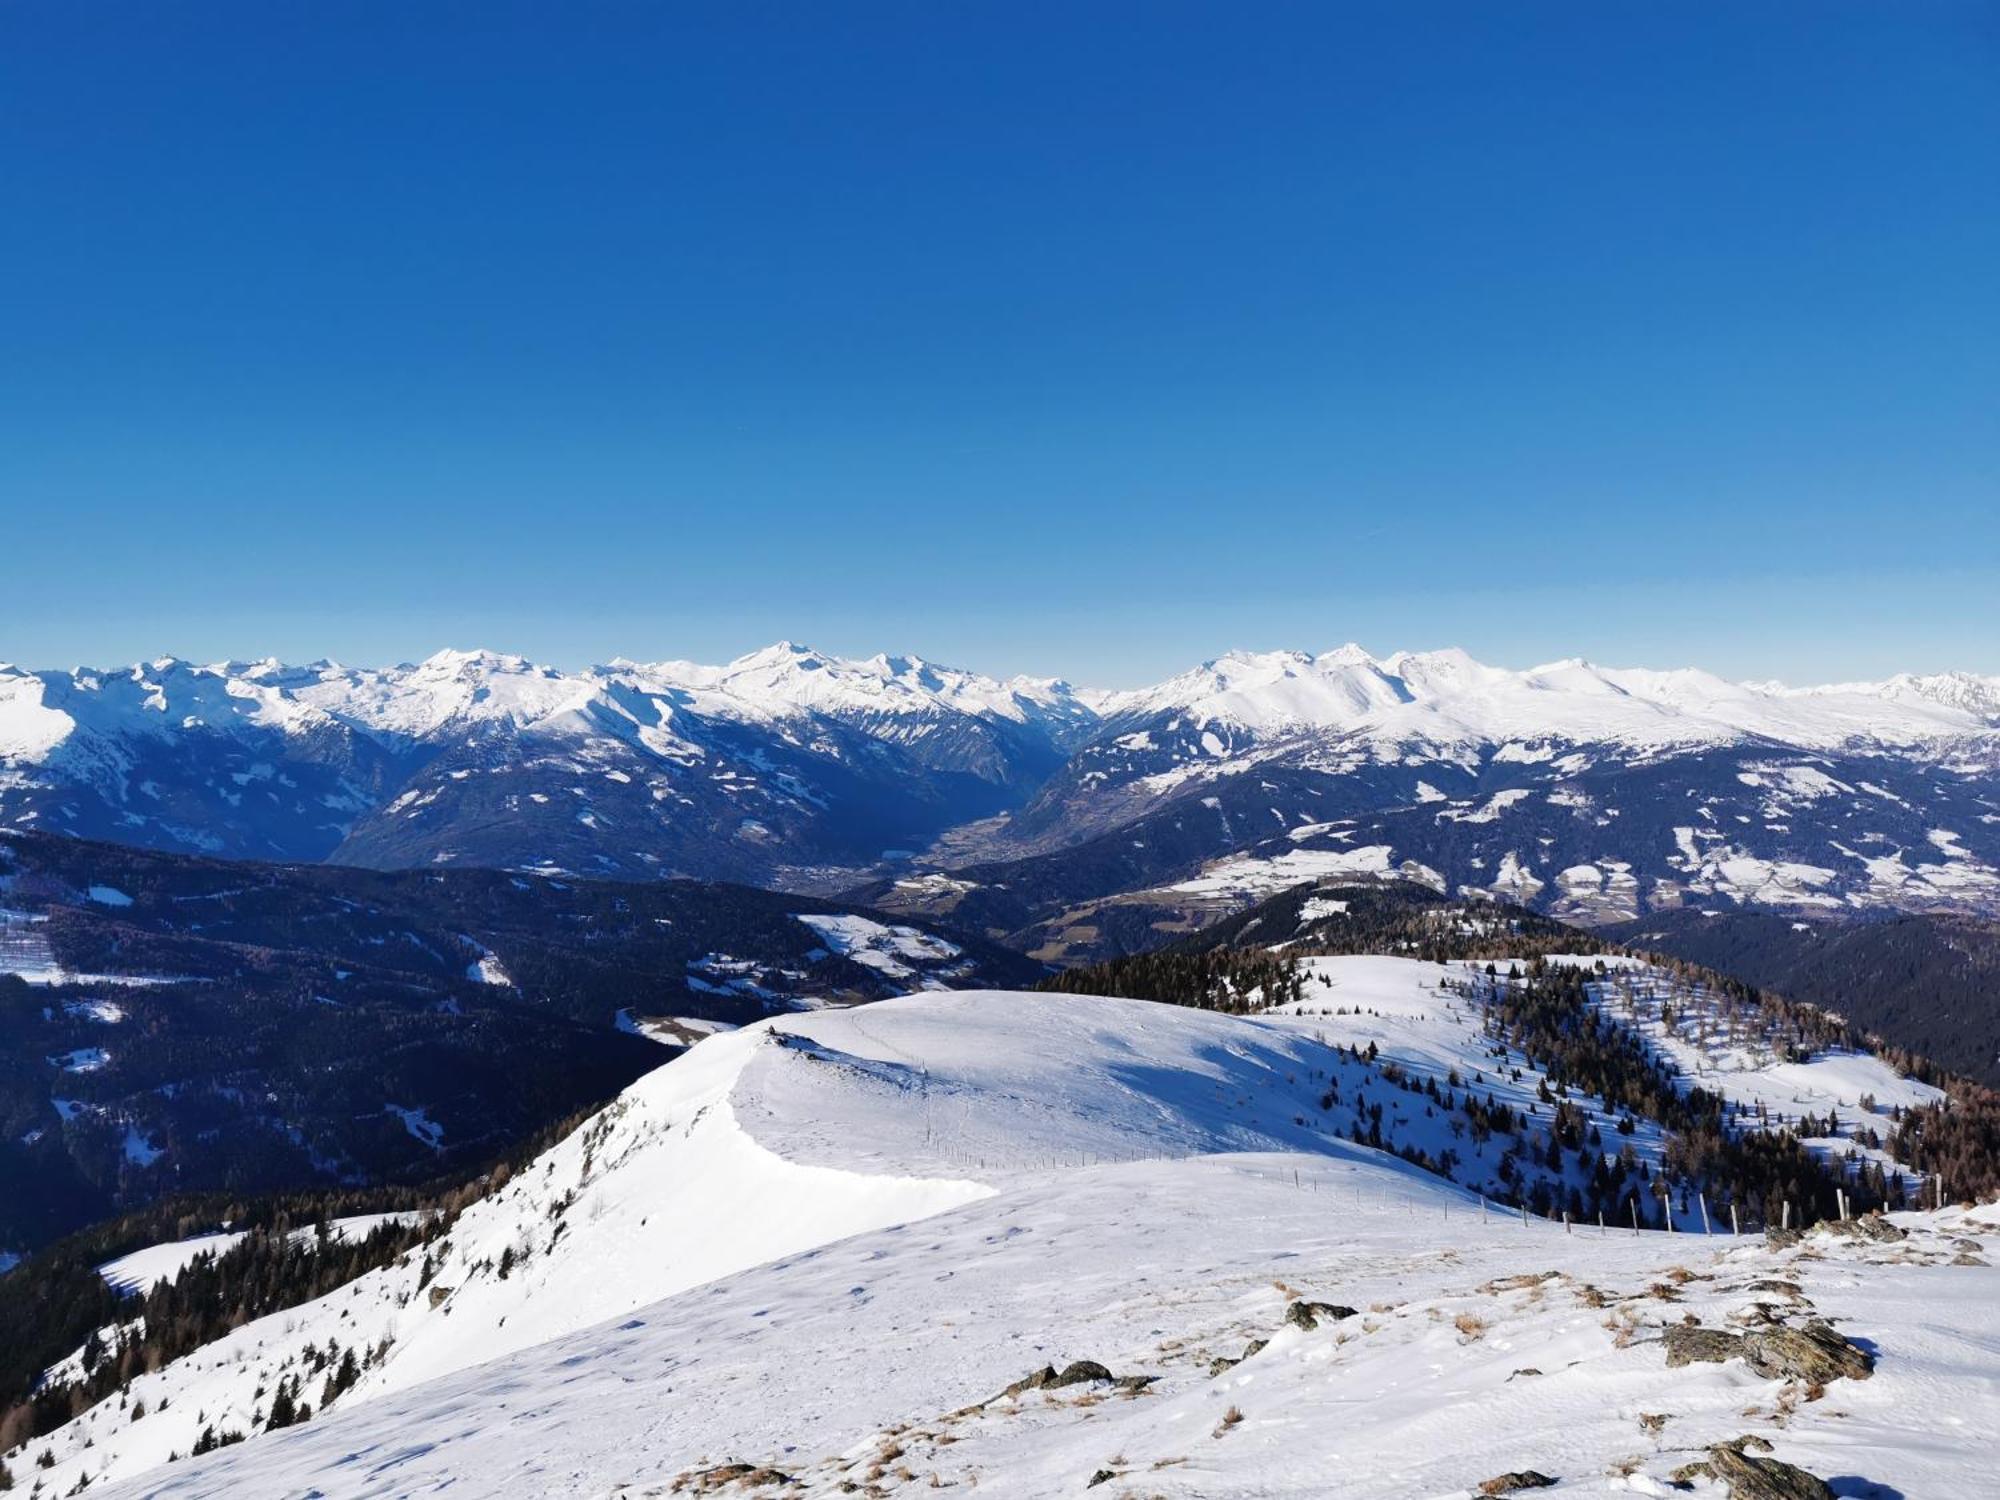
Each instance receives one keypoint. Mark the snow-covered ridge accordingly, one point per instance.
(828, 1243)
(785, 678)
(756, 1144)
(1445, 697)
(415, 700)
(793, 766)
(1442, 696)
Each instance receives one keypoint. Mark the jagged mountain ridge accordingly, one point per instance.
(1344, 712)
(794, 768)
(784, 758)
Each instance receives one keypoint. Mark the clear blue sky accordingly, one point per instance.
(1089, 339)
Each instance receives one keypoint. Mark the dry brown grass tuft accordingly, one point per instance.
(1623, 1325)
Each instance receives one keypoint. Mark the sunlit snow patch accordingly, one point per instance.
(894, 951)
(1251, 877)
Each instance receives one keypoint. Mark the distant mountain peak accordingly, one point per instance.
(479, 660)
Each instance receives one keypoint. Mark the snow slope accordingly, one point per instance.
(757, 1143)
(822, 1238)
(981, 1185)
(857, 1368)
(1425, 1018)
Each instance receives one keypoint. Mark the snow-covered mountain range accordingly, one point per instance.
(792, 767)
(784, 758)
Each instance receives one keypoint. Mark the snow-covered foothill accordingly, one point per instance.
(1244, 878)
(895, 951)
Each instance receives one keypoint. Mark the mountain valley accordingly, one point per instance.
(1596, 794)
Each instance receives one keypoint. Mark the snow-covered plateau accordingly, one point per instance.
(829, 1253)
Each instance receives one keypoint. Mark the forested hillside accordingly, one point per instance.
(1658, 1040)
(173, 1024)
(1931, 983)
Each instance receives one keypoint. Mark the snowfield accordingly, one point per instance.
(869, 1357)
(827, 1243)
(893, 951)
(1247, 878)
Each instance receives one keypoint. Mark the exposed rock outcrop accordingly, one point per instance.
(1519, 1479)
(1309, 1315)
(1750, 1477)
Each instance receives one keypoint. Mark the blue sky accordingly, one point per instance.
(1085, 339)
